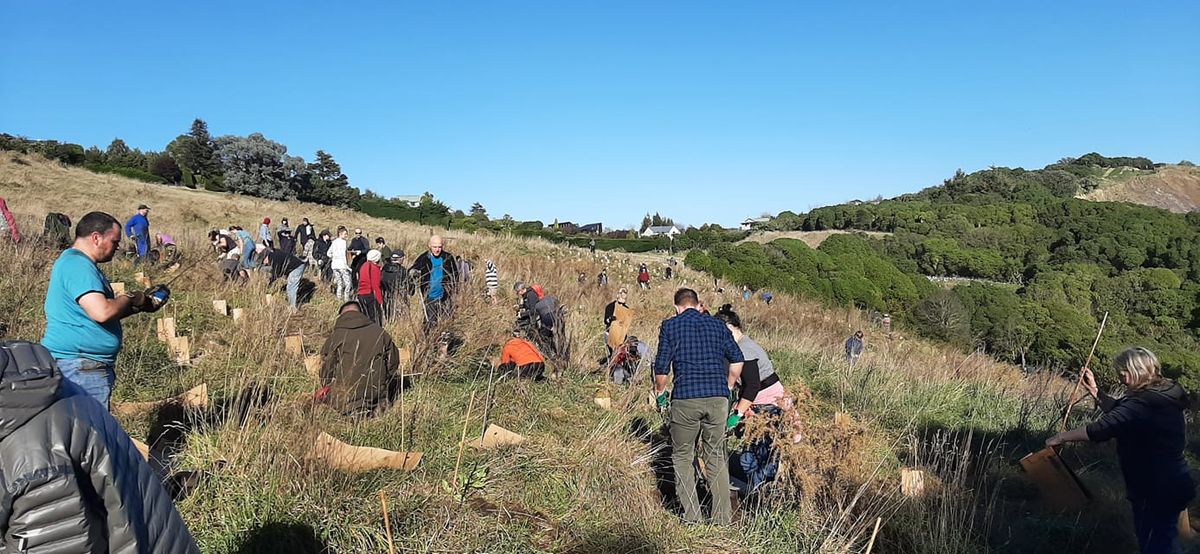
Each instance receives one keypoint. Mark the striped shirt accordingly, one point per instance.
(491, 276)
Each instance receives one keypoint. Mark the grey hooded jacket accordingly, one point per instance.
(71, 480)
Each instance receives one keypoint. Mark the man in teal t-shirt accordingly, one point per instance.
(83, 316)
(436, 274)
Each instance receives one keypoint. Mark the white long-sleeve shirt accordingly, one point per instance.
(337, 254)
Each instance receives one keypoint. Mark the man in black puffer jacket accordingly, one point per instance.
(71, 480)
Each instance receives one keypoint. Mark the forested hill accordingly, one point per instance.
(1045, 264)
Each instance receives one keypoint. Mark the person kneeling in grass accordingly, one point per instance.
(360, 365)
(521, 358)
(1149, 426)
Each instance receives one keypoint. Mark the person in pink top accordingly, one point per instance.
(8, 223)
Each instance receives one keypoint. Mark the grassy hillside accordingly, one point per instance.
(587, 480)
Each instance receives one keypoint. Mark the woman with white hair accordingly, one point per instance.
(370, 287)
(1149, 426)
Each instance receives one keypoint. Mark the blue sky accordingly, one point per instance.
(601, 111)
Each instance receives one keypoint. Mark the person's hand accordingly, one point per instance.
(733, 420)
(1088, 380)
(663, 400)
(157, 296)
(1055, 440)
(140, 302)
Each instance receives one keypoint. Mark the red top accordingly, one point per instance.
(370, 281)
(12, 221)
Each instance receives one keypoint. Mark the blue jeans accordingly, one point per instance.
(293, 284)
(248, 256)
(86, 377)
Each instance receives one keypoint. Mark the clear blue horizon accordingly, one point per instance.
(603, 111)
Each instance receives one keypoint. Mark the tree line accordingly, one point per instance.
(1044, 266)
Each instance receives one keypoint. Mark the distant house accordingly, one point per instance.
(591, 229)
(413, 201)
(855, 202)
(662, 230)
(753, 223)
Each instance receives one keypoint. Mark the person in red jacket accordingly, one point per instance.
(370, 287)
(8, 223)
(521, 357)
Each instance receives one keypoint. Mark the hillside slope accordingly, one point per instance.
(1173, 187)
(587, 480)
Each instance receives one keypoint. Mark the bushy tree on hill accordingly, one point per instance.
(258, 166)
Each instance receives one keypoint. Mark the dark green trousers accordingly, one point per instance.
(703, 419)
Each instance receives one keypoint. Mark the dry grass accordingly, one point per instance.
(812, 238)
(583, 482)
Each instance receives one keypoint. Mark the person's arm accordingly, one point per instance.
(751, 385)
(609, 311)
(1074, 435)
(102, 310)
(662, 360)
(376, 283)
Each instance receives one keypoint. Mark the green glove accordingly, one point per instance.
(734, 419)
(663, 399)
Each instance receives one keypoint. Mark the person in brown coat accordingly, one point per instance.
(359, 365)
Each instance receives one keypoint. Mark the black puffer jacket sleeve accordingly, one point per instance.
(82, 486)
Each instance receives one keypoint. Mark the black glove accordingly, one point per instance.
(157, 296)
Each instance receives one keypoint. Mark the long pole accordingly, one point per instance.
(1072, 400)
(462, 443)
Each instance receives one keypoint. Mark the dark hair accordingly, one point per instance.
(379, 240)
(340, 229)
(726, 314)
(95, 222)
(686, 297)
(351, 304)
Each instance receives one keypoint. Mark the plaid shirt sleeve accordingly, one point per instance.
(662, 361)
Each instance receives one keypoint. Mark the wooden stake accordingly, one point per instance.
(871, 543)
(387, 522)
(462, 442)
(1072, 401)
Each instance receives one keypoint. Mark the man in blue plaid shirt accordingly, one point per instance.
(702, 353)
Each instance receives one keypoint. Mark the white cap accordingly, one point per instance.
(374, 256)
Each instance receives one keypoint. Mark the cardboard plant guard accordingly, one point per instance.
(195, 398)
(221, 307)
(1058, 485)
(294, 344)
(118, 288)
(312, 364)
(495, 436)
(912, 482)
(339, 455)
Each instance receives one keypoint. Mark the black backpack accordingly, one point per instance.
(57, 230)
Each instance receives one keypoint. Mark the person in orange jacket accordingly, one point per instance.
(522, 357)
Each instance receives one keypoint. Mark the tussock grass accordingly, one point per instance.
(585, 481)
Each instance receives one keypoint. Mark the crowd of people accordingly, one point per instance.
(58, 438)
